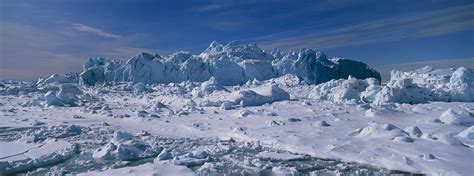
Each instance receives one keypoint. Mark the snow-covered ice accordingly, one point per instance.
(18, 157)
(155, 169)
(236, 109)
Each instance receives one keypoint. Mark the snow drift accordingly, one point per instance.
(259, 96)
(231, 64)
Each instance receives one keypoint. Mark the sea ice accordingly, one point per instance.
(26, 156)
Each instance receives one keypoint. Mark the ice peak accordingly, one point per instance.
(146, 56)
(214, 44)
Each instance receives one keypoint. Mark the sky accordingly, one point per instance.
(42, 37)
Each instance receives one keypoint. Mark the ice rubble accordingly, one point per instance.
(208, 87)
(419, 86)
(67, 95)
(59, 79)
(230, 64)
(347, 90)
(440, 85)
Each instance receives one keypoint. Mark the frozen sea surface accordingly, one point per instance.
(190, 156)
(168, 128)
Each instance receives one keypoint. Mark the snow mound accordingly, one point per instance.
(447, 139)
(231, 64)
(467, 136)
(467, 133)
(125, 147)
(259, 96)
(457, 116)
(375, 130)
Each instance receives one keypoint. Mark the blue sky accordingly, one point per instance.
(41, 37)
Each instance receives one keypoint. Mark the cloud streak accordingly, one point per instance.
(84, 28)
(28, 52)
(408, 27)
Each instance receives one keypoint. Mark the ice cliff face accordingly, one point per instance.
(230, 64)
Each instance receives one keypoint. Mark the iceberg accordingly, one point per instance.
(231, 64)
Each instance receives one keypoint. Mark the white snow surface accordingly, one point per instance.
(17, 156)
(149, 169)
(420, 123)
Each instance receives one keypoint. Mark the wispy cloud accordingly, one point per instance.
(408, 27)
(227, 25)
(210, 7)
(28, 51)
(84, 28)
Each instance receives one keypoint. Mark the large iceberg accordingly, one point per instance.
(230, 64)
